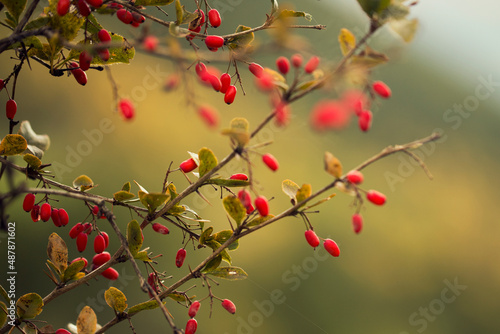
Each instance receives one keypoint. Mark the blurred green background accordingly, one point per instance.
(393, 278)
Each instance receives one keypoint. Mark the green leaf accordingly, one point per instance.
(304, 192)
(216, 245)
(240, 42)
(222, 236)
(406, 29)
(15, 7)
(238, 131)
(292, 13)
(212, 264)
(228, 182)
(347, 41)
(87, 321)
(258, 220)
(149, 305)
(3, 314)
(396, 10)
(37, 23)
(208, 161)
(126, 186)
(123, 195)
(40, 141)
(68, 25)
(177, 297)
(134, 237)
(142, 256)
(32, 160)
(153, 200)
(13, 145)
(234, 208)
(115, 299)
(229, 273)
(178, 12)
(29, 306)
(290, 188)
(57, 251)
(152, 2)
(204, 236)
(372, 7)
(73, 269)
(83, 183)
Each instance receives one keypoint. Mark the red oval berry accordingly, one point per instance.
(126, 108)
(75, 230)
(382, 89)
(229, 306)
(270, 162)
(365, 120)
(256, 69)
(35, 213)
(85, 59)
(200, 69)
(11, 109)
(106, 239)
(245, 198)
(265, 82)
(193, 309)
(63, 217)
(63, 7)
(152, 280)
(138, 18)
(355, 177)
(82, 259)
(357, 222)
(262, 206)
(180, 257)
(239, 176)
(62, 331)
(83, 8)
(214, 81)
(312, 238)
(100, 259)
(28, 202)
(95, 210)
(172, 82)
(55, 217)
(214, 42)
(150, 43)
(297, 60)
(225, 80)
(214, 18)
(230, 94)
(87, 228)
(209, 116)
(191, 326)
(162, 229)
(124, 15)
(375, 197)
(81, 241)
(104, 36)
(188, 165)
(332, 247)
(329, 114)
(95, 3)
(283, 65)
(2, 84)
(282, 114)
(104, 54)
(99, 244)
(135, 24)
(110, 274)
(201, 16)
(79, 74)
(312, 64)
(355, 100)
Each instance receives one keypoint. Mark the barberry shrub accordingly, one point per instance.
(77, 39)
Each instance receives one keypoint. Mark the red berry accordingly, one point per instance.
(135, 24)
(229, 306)
(95, 210)
(110, 274)
(99, 244)
(239, 176)
(209, 116)
(312, 238)
(214, 18)
(282, 114)
(365, 120)
(382, 89)
(265, 82)
(193, 309)
(162, 229)
(355, 177)
(297, 60)
(180, 257)
(63, 217)
(150, 43)
(245, 198)
(78, 73)
(331, 247)
(95, 3)
(62, 331)
(124, 15)
(11, 109)
(104, 54)
(138, 18)
(2, 84)
(256, 69)
(250, 209)
(100, 259)
(214, 42)
(87, 228)
(104, 36)
(283, 65)
(126, 108)
(375, 197)
(28, 202)
(191, 326)
(188, 165)
(262, 206)
(55, 217)
(312, 64)
(225, 80)
(230, 94)
(171, 82)
(106, 239)
(85, 59)
(200, 69)
(357, 222)
(329, 114)
(201, 14)
(83, 8)
(81, 258)
(35, 213)
(75, 230)
(355, 100)
(63, 7)
(152, 280)
(81, 241)
(270, 162)
(214, 81)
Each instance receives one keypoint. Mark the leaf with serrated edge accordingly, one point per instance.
(57, 251)
(234, 208)
(229, 273)
(134, 236)
(87, 321)
(29, 306)
(115, 299)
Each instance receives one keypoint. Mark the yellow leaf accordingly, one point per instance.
(87, 321)
(333, 165)
(406, 29)
(347, 41)
(116, 299)
(13, 144)
(57, 252)
(83, 183)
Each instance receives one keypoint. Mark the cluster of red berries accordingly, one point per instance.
(45, 211)
(330, 245)
(192, 324)
(83, 6)
(213, 42)
(135, 19)
(219, 82)
(261, 203)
